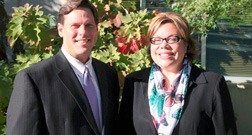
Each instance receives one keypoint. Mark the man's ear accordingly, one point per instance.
(60, 29)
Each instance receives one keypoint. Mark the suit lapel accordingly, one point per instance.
(70, 80)
(197, 77)
(142, 85)
(103, 86)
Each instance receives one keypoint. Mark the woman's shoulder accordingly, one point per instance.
(140, 74)
(202, 74)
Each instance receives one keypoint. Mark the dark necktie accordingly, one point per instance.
(92, 96)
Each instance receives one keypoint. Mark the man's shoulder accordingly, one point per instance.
(40, 66)
(99, 64)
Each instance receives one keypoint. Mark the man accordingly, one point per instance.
(51, 97)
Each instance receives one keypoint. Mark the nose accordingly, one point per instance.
(81, 30)
(164, 44)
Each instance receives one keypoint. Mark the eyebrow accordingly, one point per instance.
(168, 36)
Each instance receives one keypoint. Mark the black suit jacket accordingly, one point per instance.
(48, 99)
(207, 110)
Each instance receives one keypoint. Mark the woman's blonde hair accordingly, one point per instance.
(181, 25)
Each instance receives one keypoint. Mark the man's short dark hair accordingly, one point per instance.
(70, 5)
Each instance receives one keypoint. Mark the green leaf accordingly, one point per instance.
(47, 55)
(126, 19)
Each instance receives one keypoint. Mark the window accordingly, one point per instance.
(229, 51)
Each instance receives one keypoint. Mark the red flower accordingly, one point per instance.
(131, 46)
(124, 49)
(120, 41)
(134, 45)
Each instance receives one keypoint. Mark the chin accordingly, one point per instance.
(167, 65)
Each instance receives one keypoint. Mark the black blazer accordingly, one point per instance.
(48, 99)
(207, 110)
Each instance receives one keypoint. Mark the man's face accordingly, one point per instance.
(79, 32)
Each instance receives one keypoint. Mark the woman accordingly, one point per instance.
(173, 96)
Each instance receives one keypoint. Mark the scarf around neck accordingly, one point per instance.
(166, 106)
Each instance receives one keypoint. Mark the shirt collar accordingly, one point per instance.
(78, 65)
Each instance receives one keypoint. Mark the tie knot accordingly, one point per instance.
(85, 70)
(86, 76)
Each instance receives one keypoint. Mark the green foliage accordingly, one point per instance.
(5, 80)
(3, 130)
(109, 55)
(140, 59)
(134, 24)
(38, 42)
(241, 13)
(124, 63)
(118, 22)
(25, 60)
(30, 25)
(5, 89)
(203, 15)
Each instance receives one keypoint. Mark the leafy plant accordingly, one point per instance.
(203, 15)
(39, 42)
(122, 41)
(132, 33)
(5, 89)
(30, 25)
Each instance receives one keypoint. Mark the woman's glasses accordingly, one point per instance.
(169, 40)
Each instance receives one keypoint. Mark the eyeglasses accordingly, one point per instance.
(169, 40)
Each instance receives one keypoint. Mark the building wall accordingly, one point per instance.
(242, 102)
(48, 6)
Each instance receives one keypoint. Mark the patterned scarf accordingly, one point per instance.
(166, 106)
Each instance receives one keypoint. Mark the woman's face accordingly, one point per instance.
(168, 56)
